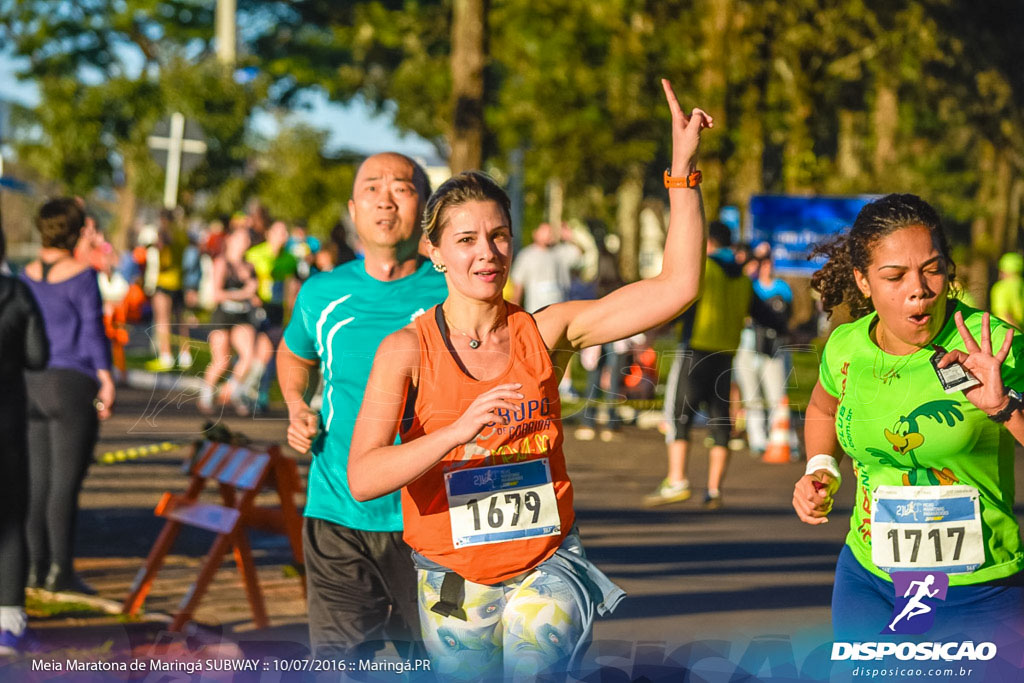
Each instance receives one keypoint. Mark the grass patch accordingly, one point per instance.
(40, 607)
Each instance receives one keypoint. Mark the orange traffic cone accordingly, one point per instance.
(778, 451)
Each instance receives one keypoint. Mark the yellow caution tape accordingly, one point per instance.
(111, 457)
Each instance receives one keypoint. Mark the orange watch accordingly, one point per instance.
(690, 180)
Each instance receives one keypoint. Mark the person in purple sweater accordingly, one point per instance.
(67, 399)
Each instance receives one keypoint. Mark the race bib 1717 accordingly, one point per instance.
(927, 528)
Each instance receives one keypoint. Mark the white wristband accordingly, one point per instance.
(826, 462)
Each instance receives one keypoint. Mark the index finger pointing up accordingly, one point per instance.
(673, 103)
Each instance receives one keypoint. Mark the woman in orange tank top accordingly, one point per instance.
(471, 387)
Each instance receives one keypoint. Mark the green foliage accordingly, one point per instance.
(298, 184)
(381, 51)
(108, 71)
(826, 96)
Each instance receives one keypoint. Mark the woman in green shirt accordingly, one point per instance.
(918, 392)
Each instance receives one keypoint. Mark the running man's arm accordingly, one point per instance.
(639, 306)
(298, 378)
(376, 466)
(812, 495)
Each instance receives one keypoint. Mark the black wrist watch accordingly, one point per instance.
(1015, 404)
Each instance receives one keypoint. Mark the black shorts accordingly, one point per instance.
(361, 589)
(699, 377)
(275, 316)
(177, 298)
(223, 320)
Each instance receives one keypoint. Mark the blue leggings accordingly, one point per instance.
(862, 605)
(516, 629)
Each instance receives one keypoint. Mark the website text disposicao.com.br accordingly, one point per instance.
(887, 672)
(948, 654)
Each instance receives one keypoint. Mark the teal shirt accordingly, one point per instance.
(340, 319)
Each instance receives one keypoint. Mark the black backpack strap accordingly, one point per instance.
(452, 591)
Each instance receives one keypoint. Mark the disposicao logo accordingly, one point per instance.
(914, 613)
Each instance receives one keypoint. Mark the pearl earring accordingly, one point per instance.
(440, 267)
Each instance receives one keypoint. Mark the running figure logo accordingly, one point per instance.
(912, 612)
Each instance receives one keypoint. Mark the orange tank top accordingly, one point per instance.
(499, 506)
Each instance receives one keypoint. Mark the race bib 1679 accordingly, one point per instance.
(502, 503)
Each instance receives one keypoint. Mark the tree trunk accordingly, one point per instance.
(630, 197)
(847, 148)
(713, 85)
(797, 151)
(127, 204)
(749, 173)
(886, 121)
(1001, 203)
(556, 203)
(982, 247)
(1013, 226)
(469, 52)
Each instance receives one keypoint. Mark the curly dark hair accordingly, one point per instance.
(59, 222)
(852, 250)
(469, 186)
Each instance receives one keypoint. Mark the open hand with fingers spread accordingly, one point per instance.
(979, 360)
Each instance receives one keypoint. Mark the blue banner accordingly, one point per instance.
(793, 225)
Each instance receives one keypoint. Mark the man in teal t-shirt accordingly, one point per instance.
(361, 584)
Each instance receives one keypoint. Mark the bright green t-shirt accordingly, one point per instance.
(1007, 299)
(272, 270)
(908, 431)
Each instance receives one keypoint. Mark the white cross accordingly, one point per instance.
(176, 145)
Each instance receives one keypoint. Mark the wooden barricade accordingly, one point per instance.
(240, 474)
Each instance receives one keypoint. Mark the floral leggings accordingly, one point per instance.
(517, 629)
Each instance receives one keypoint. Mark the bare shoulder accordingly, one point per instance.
(71, 269)
(65, 269)
(34, 270)
(402, 348)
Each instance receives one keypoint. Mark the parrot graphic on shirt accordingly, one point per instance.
(905, 437)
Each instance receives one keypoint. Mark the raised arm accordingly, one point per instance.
(376, 466)
(639, 306)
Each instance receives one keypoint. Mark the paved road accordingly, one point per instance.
(746, 571)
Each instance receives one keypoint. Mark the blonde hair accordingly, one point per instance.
(469, 186)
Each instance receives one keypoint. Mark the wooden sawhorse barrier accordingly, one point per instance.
(240, 473)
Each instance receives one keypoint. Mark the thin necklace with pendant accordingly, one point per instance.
(473, 342)
(878, 366)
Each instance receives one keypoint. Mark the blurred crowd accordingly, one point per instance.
(226, 286)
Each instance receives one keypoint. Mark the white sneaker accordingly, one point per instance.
(668, 493)
(584, 434)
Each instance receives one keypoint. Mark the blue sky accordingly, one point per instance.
(353, 126)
